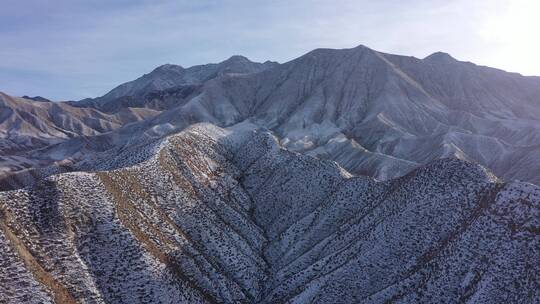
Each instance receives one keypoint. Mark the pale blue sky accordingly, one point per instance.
(71, 49)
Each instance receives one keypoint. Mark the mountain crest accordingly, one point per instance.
(238, 58)
(440, 57)
(216, 216)
(169, 67)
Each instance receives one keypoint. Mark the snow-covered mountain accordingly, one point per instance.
(382, 114)
(134, 93)
(27, 126)
(343, 176)
(375, 114)
(214, 215)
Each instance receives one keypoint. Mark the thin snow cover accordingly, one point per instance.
(343, 176)
(375, 114)
(213, 215)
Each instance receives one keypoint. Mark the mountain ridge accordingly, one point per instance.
(207, 218)
(374, 113)
(168, 76)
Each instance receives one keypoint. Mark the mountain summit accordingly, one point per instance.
(440, 57)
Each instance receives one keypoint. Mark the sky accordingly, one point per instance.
(73, 49)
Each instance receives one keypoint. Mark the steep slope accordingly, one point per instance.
(375, 114)
(228, 216)
(405, 110)
(378, 114)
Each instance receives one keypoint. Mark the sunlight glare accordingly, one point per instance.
(515, 31)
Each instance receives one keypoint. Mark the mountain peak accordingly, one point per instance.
(238, 58)
(362, 47)
(440, 57)
(332, 51)
(168, 68)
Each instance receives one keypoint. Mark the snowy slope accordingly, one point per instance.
(214, 215)
(375, 114)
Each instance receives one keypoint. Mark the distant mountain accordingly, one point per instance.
(229, 216)
(171, 76)
(45, 120)
(37, 98)
(27, 126)
(375, 114)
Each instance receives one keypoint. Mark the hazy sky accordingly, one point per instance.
(71, 49)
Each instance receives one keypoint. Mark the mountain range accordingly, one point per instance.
(373, 113)
(342, 176)
(229, 216)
